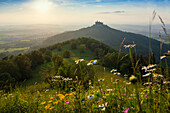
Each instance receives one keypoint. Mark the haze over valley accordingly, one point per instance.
(84, 56)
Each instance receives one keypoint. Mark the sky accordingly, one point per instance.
(83, 12)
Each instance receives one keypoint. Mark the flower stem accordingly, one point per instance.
(132, 60)
(166, 67)
(137, 96)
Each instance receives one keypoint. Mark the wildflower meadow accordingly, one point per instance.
(87, 86)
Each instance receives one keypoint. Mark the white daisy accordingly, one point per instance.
(79, 60)
(129, 46)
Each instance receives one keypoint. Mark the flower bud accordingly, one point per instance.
(133, 79)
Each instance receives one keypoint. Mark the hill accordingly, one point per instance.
(89, 88)
(111, 37)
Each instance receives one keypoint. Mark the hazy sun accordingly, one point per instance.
(42, 5)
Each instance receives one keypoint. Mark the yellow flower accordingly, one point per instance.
(55, 102)
(117, 80)
(68, 94)
(91, 61)
(71, 94)
(133, 79)
(61, 96)
(51, 108)
(126, 75)
(50, 101)
(47, 107)
(43, 103)
(52, 98)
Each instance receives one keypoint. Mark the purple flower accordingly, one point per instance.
(146, 95)
(123, 94)
(67, 102)
(126, 110)
(103, 92)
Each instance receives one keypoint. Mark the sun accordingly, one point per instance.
(42, 5)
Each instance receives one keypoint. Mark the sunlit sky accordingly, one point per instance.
(81, 12)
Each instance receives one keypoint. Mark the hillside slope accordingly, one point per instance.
(111, 37)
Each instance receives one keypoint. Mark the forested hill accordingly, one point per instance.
(111, 37)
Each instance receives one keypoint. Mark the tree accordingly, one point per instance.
(47, 58)
(24, 65)
(6, 80)
(36, 57)
(73, 45)
(99, 52)
(48, 55)
(59, 47)
(110, 60)
(43, 50)
(47, 74)
(66, 54)
(57, 62)
(82, 48)
(11, 68)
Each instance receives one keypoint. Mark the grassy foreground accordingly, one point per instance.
(110, 93)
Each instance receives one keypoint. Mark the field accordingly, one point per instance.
(109, 93)
(14, 49)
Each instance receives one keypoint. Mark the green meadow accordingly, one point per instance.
(106, 92)
(14, 49)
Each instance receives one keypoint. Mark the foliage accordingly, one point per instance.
(111, 60)
(47, 74)
(66, 54)
(11, 68)
(73, 45)
(82, 48)
(48, 55)
(6, 81)
(57, 62)
(84, 73)
(24, 65)
(92, 88)
(59, 47)
(36, 57)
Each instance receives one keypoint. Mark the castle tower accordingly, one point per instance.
(98, 23)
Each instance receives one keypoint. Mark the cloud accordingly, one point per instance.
(98, 0)
(114, 12)
(119, 12)
(4, 3)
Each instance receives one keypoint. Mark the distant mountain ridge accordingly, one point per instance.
(111, 37)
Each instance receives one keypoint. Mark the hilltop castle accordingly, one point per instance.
(98, 23)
